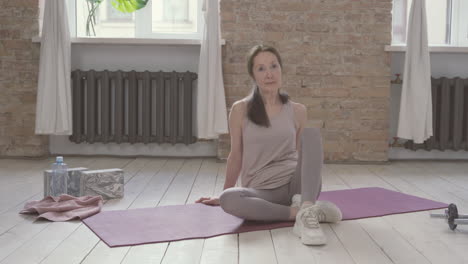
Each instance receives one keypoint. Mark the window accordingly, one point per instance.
(173, 15)
(40, 16)
(163, 19)
(113, 15)
(446, 24)
(171, 19)
(106, 22)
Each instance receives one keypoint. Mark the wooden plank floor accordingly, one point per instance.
(149, 182)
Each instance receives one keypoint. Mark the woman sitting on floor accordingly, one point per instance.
(278, 160)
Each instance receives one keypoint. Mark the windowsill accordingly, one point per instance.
(132, 41)
(433, 49)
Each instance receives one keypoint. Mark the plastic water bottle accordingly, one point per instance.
(59, 179)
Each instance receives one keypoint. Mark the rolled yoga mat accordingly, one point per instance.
(179, 222)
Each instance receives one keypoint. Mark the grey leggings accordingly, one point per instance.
(274, 204)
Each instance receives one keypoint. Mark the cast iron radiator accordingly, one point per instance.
(132, 107)
(449, 116)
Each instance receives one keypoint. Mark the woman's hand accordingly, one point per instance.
(208, 200)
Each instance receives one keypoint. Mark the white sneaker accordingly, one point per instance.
(330, 212)
(296, 201)
(307, 225)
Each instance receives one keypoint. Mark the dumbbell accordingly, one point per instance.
(452, 216)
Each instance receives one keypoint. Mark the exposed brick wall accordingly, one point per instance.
(334, 63)
(19, 61)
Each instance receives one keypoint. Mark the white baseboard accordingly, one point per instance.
(402, 154)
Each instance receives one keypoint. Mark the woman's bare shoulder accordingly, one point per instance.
(298, 107)
(238, 113)
(300, 114)
(240, 106)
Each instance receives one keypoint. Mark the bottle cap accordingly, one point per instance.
(59, 159)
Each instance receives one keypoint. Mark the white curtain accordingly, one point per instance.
(211, 101)
(53, 109)
(415, 119)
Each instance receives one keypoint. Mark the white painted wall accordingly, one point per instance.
(442, 65)
(139, 58)
(135, 57)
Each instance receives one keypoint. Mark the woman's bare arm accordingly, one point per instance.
(234, 161)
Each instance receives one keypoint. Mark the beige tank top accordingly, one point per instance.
(269, 156)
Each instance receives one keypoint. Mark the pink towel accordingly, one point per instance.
(64, 207)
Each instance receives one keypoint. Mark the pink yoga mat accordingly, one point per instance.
(179, 222)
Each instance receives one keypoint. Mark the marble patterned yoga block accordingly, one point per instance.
(73, 181)
(108, 183)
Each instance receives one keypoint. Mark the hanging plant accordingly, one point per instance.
(124, 6)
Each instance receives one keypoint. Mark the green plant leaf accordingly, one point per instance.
(128, 6)
(95, 1)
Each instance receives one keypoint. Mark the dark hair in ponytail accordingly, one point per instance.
(255, 106)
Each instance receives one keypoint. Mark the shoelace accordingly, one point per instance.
(312, 217)
(320, 215)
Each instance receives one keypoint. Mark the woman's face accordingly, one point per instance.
(267, 72)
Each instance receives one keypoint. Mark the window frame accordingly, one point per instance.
(461, 25)
(456, 24)
(402, 26)
(143, 24)
(144, 29)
